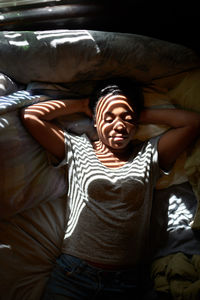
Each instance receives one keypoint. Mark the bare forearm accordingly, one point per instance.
(184, 129)
(50, 110)
(175, 118)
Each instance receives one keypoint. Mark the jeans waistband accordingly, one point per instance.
(81, 264)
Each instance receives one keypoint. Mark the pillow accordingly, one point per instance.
(154, 97)
(58, 56)
(26, 178)
(186, 95)
(7, 86)
(65, 90)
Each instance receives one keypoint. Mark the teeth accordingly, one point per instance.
(118, 137)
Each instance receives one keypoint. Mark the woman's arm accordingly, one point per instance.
(185, 127)
(38, 119)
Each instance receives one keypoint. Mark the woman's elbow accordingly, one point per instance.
(23, 115)
(28, 118)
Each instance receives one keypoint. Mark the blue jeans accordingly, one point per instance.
(73, 278)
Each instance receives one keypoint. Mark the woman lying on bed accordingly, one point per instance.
(111, 182)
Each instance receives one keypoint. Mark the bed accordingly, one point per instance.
(58, 64)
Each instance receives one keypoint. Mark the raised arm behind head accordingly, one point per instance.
(185, 128)
(38, 120)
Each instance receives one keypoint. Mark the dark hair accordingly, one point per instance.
(115, 86)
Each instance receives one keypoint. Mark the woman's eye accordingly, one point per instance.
(128, 118)
(108, 120)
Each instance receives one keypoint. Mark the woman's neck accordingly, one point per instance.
(110, 157)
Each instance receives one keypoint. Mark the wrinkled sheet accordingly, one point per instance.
(177, 275)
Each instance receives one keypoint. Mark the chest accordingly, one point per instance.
(122, 194)
(122, 188)
(110, 160)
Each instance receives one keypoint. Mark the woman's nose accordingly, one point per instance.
(119, 125)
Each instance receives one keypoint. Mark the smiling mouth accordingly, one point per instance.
(119, 137)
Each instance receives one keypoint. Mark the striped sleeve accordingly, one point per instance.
(54, 161)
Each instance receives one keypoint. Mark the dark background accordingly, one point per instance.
(173, 21)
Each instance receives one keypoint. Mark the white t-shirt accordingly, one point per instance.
(109, 209)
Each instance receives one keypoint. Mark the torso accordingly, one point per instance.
(112, 192)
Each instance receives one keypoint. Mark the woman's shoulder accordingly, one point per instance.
(81, 141)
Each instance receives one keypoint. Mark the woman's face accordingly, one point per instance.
(115, 121)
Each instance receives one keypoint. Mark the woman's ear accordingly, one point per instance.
(94, 122)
